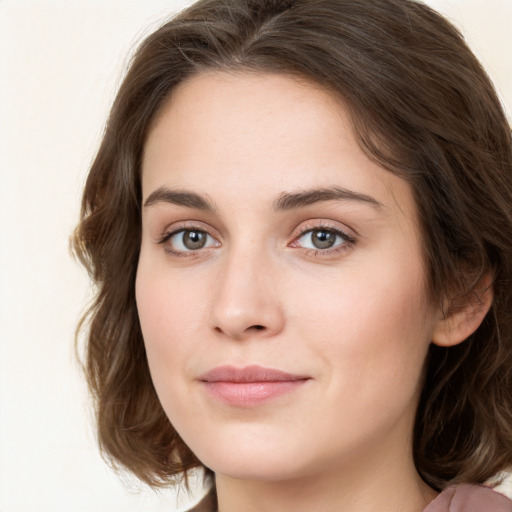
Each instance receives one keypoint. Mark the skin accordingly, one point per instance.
(353, 318)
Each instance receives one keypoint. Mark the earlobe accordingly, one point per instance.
(458, 322)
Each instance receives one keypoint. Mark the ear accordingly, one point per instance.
(461, 318)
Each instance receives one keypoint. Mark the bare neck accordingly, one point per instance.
(363, 486)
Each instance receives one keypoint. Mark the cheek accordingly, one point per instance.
(361, 301)
(372, 330)
(172, 320)
(167, 318)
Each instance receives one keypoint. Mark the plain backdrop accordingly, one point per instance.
(60, 65)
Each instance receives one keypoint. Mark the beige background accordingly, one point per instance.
(60, 63)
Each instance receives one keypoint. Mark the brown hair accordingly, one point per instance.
(423, 108)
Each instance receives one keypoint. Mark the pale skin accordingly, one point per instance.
(271, 239)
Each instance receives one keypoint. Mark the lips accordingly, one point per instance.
(249, 386)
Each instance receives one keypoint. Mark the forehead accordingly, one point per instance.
(254, 136)
(242, 116)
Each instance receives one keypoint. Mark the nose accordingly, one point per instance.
(246, 299)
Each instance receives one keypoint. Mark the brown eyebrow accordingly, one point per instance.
(286, 201)
(180, 198)
(292, 200)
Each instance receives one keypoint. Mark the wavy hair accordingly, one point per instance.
(423, 108)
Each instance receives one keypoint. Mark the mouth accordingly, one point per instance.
(249, 386)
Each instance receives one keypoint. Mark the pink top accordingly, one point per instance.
(459, 498)
(470, 498)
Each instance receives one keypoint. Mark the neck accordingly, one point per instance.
(363, 484)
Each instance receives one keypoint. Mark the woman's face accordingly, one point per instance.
(280, 286)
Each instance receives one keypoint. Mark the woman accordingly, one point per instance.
(300, 226)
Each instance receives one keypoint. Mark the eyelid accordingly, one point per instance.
(348, 240)
(187, 225)
(177, 227)
(311, 225)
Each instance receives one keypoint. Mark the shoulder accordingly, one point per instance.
(459, 498)
(470, 498)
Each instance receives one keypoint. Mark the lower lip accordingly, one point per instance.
(250, 394)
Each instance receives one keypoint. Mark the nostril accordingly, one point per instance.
(258, 327)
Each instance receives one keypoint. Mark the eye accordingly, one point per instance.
(188, 240)
(319, 239)
(323, 239)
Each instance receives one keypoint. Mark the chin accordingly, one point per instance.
(257, 470)
(262, 461)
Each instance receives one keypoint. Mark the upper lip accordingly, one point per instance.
(251, 373)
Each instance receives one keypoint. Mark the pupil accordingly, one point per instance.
(323, 239)
(194, 239)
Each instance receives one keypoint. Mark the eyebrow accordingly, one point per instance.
(293, 200)
(286, 201)
(180, 198)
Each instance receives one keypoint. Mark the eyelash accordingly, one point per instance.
(348, 241)
(182, 229)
